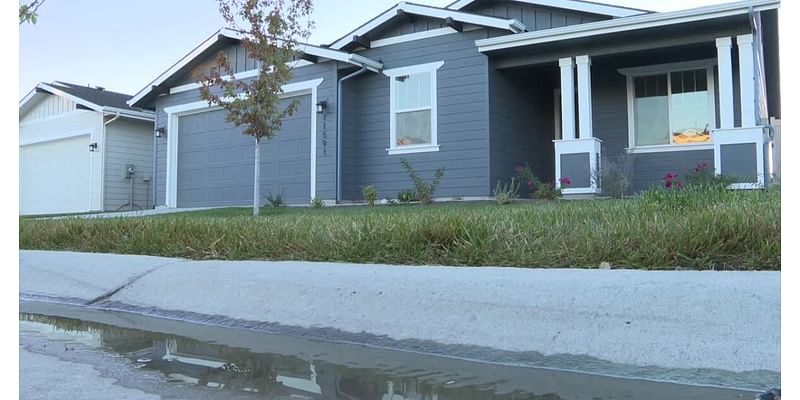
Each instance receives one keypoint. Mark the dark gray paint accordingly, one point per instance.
(462, 127)
(326, 129)
(215, 160)
(533, 16)
(739, 161)
(576, 168)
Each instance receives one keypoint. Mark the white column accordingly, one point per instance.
(567, 98)
(584, 96)
(725, 62)
(747, 82)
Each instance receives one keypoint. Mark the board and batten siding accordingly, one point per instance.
(463, 121)
(325, 129)
(128, 142)
(534, 17)
(48, 107)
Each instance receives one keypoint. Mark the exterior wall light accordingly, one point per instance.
(93, 147)
(161, 132)
(321, 106)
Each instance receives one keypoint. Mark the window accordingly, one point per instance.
(671, 105)
(413, 109)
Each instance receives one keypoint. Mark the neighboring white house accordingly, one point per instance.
(76, 146)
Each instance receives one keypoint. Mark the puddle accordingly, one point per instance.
(284, 367)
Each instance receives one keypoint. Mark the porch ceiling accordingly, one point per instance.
(620, 43)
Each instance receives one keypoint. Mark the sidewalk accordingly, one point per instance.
(672, 319)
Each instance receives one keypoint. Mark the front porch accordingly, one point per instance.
(667, 99)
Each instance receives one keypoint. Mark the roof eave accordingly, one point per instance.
(624, 24)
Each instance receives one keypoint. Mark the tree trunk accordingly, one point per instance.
(257, 180)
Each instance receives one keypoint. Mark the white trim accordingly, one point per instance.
(666, 148)
(593, 8)
(512, 25)
(332, 54)
(141, 115)
(757, 136)
(747, 80)
(585, 119)
(175, 112)
(567, 68)
(593, 147)
(668, 69)
(411, 37)
(195, 85)
(624, 24)
(431, 68)
(725, 61)
(54, 137)
(55, 117)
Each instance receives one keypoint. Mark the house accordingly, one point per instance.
(478, 87)
(83, 149)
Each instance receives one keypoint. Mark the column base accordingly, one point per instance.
(579, 161)
(743, 154)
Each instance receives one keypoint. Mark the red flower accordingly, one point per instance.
(565, 181)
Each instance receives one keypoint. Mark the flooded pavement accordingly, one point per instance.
(176, 359)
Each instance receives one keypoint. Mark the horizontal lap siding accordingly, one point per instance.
(128, 142)
(326, 128)
(462, 96)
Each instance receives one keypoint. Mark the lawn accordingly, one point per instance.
(664, 230)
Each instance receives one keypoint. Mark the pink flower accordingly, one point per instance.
(565, 181)
(517, 168)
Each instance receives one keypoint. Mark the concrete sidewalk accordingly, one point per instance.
(673, 319)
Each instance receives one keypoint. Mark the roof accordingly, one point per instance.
(512, 24)
(574, 5)
(227, 33)
(625, 24)
(94, 98)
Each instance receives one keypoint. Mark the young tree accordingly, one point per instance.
(270, 31)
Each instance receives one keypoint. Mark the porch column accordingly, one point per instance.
(567, 98)
(584, 96)
(725, 82)
(747, 81)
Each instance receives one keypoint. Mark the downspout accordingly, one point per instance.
(155, 153)
(103, 161)
(339, 131)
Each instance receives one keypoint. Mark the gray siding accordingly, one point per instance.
(463, 122)
(326, 128)
(522, 129)
(534, 17)
(128, 142)
(414, 25)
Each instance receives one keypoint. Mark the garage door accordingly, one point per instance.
(215, 160)
(54, 176)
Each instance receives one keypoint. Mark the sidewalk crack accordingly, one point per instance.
(129, 282)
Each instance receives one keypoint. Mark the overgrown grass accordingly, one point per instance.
(707, 229)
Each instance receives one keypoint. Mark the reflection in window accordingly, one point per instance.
(413, 109)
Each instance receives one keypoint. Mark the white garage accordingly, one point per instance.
(75, 142)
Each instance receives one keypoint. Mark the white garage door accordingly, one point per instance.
(54, 176)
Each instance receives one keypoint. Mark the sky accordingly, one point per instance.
(124, 45)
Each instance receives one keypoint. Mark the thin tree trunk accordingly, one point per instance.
(257, 181)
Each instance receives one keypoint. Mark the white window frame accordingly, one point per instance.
(393, 73)
(668, 69)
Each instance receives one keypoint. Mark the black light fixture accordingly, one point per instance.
(93, 147)
(321, 106)
(160, 131)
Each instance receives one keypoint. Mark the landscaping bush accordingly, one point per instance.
(276, 200)
(407, 196)
(370, 194)
(425, 190)
(506, 194)
(317, 202)
(616, 175)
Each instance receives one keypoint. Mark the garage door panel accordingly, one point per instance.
(54, 176)
(215, 158)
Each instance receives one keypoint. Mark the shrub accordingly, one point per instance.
(616, 175)
(704, 177)
(391, 202)
(407, 196)
(548, 191)
(506, 194)
(525, 174)
(317, 202)
(275, 201)
(370, 194)
(425, 190)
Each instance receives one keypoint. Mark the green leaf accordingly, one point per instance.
(33, 19)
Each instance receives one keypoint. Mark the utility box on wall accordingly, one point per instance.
(128, 171)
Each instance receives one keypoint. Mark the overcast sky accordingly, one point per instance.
(123, 45)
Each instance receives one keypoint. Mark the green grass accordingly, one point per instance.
(702, 230)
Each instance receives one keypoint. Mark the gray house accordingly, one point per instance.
(478, 87)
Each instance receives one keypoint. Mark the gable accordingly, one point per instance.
(535, 17)
(580, 6)
(47, 105)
